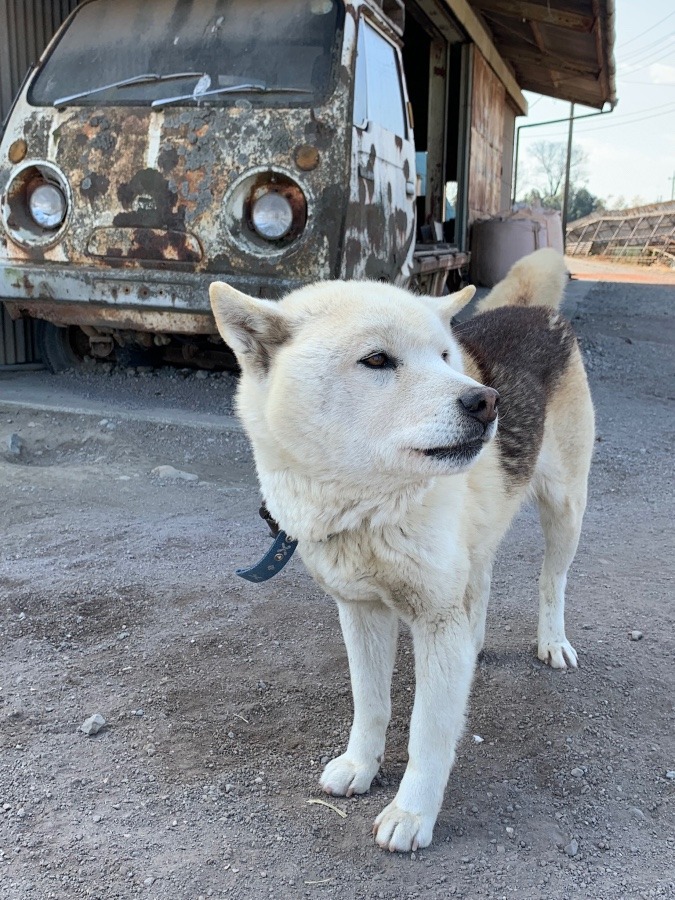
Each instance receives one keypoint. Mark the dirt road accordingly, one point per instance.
(222, 699)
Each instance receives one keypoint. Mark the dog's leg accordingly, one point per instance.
(370, 631)
(444, 661)
(476, 602)
(560, 486)
(561, 516)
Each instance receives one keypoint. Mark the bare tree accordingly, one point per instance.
(549, 158)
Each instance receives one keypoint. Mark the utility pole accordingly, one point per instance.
(568, 163)
(672, 186)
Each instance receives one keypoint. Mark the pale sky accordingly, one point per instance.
(631, 151)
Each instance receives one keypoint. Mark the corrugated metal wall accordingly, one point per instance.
(26, 27)
(17, 341)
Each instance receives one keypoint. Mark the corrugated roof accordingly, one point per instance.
(561, 48)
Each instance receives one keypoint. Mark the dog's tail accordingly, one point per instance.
(538, 279)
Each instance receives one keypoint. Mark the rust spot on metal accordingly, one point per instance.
(193, 184)
(101, 316)
(320, 131)
(150, 202)
(167, 159)
(17, 151)
(306, 157)
(27, 285)
(94, 186)
(144, 244)
(101, 133)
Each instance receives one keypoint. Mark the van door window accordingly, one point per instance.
(380, 222)
(378, 95)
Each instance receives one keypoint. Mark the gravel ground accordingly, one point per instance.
(222, 699)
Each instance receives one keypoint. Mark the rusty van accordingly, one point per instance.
(160, 145)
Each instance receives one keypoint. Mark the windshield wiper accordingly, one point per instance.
(257, 87)
(147, 78)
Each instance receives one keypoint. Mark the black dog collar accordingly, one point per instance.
(276, 557)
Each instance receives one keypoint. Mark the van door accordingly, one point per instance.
(381, 218)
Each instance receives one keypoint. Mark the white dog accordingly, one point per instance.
(397, 452)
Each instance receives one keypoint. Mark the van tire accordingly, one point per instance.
(60, 348)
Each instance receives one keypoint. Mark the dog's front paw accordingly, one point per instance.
(398, 829)
(557, 654)
(345, 776)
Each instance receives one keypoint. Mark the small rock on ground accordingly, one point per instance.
(93, 724)
(572, 848)
(14, 444)
(175, 474)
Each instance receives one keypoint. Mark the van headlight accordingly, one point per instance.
(47, 205)
(35, 206)
(272, 216)
(266, 212)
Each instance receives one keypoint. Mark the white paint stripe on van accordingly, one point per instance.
(154, 138)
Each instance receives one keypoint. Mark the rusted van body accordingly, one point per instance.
(160, 145)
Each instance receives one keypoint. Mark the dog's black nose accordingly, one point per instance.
(481, 404)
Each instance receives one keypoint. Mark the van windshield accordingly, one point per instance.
(122, 52)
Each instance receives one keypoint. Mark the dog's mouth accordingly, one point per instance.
(456, 452)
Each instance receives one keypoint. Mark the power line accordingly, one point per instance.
(637, 112)
(651, 28)
(614, 125)
(650, 62)
(668, 84)
(668, 107)
(648, 48)
(631, 115)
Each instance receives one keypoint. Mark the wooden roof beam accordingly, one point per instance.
(534, 12)
(478, 32)
(600, 37)
(548, 61)
(538, 37)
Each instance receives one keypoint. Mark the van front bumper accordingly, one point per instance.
(136, 300)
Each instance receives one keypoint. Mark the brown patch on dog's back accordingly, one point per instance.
(522, 353)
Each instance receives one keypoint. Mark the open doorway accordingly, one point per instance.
(434, 62)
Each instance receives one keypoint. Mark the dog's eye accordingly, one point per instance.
(378, 361)
(445, 355)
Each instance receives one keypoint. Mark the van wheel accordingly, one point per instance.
(61, 348)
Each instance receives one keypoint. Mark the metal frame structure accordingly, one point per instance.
(644, 234)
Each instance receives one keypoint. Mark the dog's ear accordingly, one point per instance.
(254, 329)
(447, 307)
